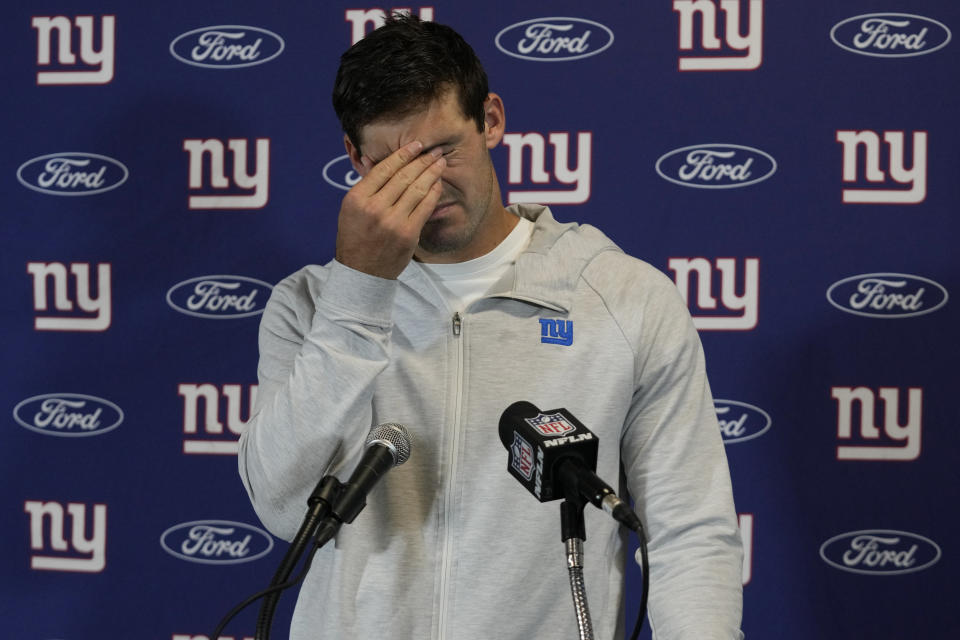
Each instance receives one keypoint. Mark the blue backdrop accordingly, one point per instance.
(792, 166)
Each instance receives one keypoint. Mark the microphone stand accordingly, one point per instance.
(573, 532)
(319, 504)
(316, 525)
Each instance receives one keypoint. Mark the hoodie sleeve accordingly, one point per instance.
(675, 463)
(324, 338)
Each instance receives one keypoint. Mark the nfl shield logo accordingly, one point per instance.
(522, 456)
(553, 424)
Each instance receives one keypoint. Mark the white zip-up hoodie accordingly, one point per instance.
(450, 546)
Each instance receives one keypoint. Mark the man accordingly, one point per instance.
(430, 316)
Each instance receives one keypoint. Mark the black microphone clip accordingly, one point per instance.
(538, 441)
(387, 446)
(554, 455)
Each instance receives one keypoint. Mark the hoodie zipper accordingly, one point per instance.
(447, 553)
(457, 323)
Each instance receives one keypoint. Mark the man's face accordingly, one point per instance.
(471, 196)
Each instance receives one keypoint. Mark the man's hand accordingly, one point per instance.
(382, 215)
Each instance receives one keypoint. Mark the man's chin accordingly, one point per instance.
(439, 237)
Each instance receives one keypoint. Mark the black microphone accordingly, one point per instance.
(554, 456)
(387, 446)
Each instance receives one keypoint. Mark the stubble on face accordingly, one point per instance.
(442, 235)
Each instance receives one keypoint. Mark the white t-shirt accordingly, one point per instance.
(463, 282)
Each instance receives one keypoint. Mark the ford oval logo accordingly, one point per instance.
(68, 414)
(227, 46)
(72, 173)
(216, 542)
(887, 295)
(716, 166)
(740, 421)
(554, 39)
(219, 297)
(340, 174)
(880, 552)
(890, 35)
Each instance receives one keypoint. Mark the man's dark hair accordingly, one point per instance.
(403, 66)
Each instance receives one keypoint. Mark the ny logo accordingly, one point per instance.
(96, 310)
(88, 555)
(902, 442)
(578, 176)
(556, 331)
(223, 401)
(95, 67)
(915, 177)
(361, 19)
(742, 308)
(243, 182)
(746, 535)
(736, 42)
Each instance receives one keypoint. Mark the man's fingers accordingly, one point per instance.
(381, 173)
(421, 213)
(391, 193)
(382, 216)
(417, 190)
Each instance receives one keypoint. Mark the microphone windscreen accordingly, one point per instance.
(393, 436)
(514, 416)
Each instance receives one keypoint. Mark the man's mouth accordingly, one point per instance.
(441, 210)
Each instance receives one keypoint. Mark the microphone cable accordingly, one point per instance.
(274, 589)
(330, 505)
(319, 506)
(645, 570)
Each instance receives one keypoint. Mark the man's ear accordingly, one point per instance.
(354, 154)
(494, 120)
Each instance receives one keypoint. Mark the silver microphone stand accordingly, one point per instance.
(573, 532)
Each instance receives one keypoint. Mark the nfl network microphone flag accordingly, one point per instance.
(537, 440)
